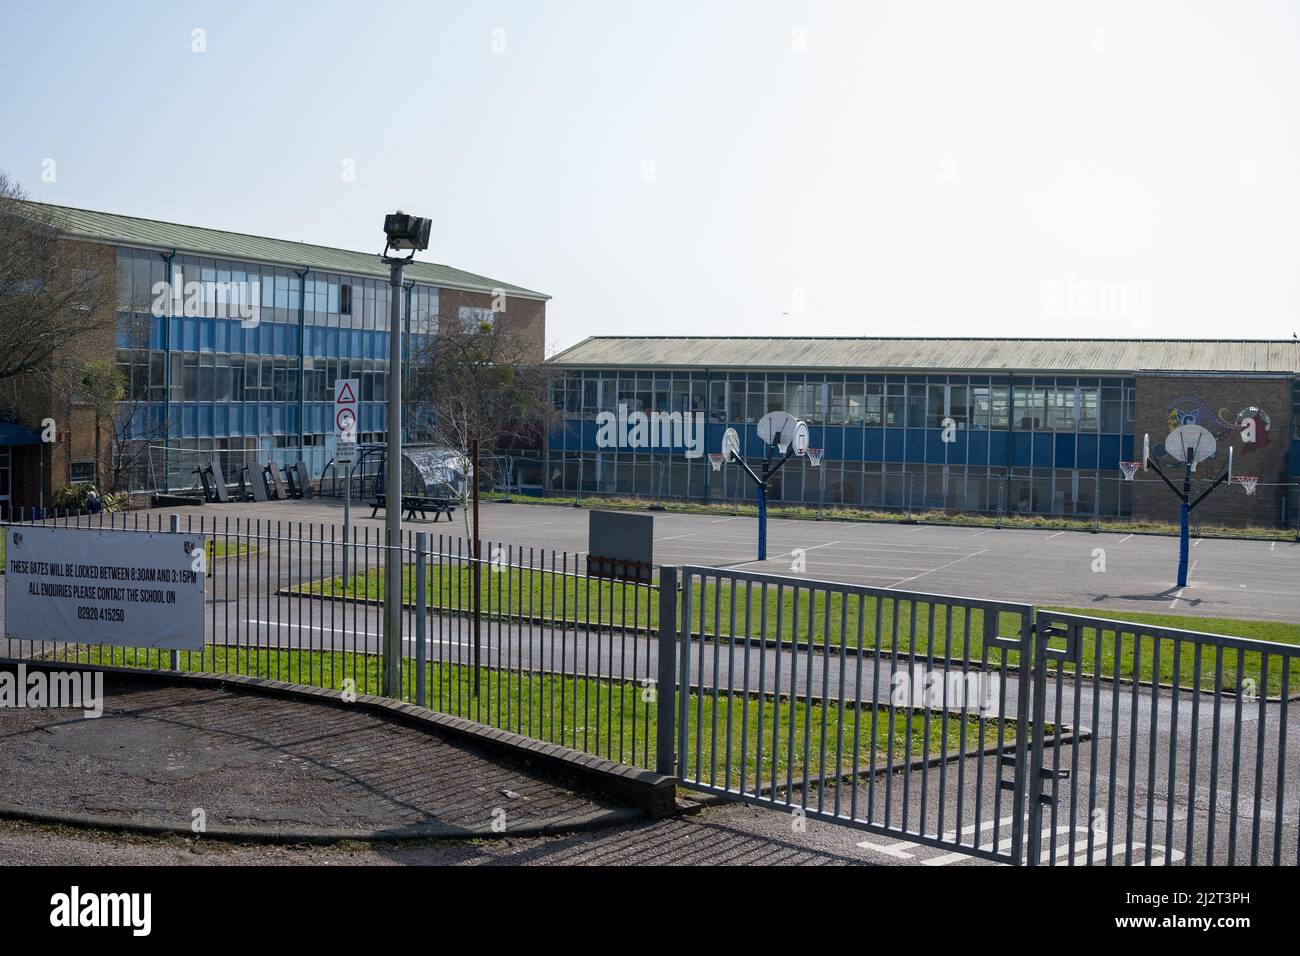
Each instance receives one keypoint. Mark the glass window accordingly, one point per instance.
(1001, 406)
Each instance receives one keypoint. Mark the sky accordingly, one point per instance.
(716, 167)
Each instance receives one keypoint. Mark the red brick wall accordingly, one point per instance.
(1217, 400)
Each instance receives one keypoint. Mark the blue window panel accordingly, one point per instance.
(205, 421)
(266, 423)
(277, 419)
(278, 338)
(157, 332)
(190, 334)
(222, 343)
(235, 338)
(293, 420)
(853, 446)
(174, 426)
(585, 432)
(1043, 450)
(250, 420)
(1087, 457)
(893, 444)
(207, 334)
(1020, 449)
(367, 345)
(978, 442)
(235, 422)
(250, 339)
(331, 342)
(291, 340)
(916, 440)
(191, 421)
(1110, 453)
(123, 337)
(1065, 452)
(176, 339)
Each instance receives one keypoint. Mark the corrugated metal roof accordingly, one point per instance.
(939, 354)
(132, 231)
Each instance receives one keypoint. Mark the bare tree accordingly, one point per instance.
(51, 292)
(479, 380)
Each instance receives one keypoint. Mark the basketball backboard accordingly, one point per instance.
(1191, 445)
(778, 428)
(730, 444)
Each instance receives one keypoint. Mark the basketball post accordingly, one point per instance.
(781, 432)
(1190, 445)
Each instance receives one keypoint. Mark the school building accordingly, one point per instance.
(1036, 426)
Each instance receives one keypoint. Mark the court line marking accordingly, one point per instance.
(1123, 539)
(940, 567)
(1051, 536)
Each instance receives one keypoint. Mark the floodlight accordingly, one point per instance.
(407, 232)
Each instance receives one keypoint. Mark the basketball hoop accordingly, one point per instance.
(1129, 468)
(815, 457)
(1248, 482)
(716, 459)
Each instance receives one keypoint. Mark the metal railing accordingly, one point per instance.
(887, 710)
(976, 727)
(544, 651)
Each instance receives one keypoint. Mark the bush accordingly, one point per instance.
(77, 498)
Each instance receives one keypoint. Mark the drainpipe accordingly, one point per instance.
(167, 258)
(302, 358)
(406, 363)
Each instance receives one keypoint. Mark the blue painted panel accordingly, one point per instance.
(999, 448)
(1065, 451)
(831, 439)
(1087, 457)
(873, 444)
(916, 438)
(979, 447)
(1020, 449)
(1109, 452)
(853, 447)
(1043, 450)
(893, 444)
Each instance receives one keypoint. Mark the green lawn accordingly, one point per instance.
(612, 719)
(856, 620)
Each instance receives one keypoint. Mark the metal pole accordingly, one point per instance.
(421, 607)
(1183, 511)
(762, 522)
(347, 521)
(392, 669)
(174, 662)
(475, 560)
(666, 689)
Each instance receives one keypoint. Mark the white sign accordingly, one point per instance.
(346, 391)
(93, 586)
(345, 454)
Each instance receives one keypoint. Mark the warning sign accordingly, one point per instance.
(345, 408)
(93, 586)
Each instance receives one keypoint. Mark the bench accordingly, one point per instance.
(417, 504)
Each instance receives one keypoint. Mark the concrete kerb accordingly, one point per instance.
(649, 794)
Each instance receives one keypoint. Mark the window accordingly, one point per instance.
(345, 299)
(475, 320)
(81, 471)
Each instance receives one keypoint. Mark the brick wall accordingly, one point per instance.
(523, 317)
(1217, 401)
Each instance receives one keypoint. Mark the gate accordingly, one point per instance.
(1181, 752)
(980, 727)
(899, 713)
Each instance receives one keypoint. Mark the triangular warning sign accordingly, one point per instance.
(345, 395)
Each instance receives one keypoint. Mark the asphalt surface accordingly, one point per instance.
(1125, 745)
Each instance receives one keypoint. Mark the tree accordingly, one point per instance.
(100, 385)
(478, 380)
(51, 292)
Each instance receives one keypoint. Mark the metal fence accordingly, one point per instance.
(980, 728)
(545, 651)
(895, 712)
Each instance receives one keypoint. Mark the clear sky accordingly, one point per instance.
(731, 167)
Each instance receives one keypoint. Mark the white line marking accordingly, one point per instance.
(895, 850)
(1123, 539)
(672, 536)
(1051, 536)
(941, 567)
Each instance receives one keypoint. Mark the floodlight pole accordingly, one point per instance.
(392, 659)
